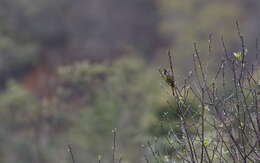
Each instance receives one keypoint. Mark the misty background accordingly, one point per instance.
(72, 71)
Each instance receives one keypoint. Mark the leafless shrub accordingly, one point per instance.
(229, 116)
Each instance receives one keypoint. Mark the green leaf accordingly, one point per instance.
(206, 141)
(99, 157)
(238, 55)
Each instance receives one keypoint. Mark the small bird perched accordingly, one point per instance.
(168, 78)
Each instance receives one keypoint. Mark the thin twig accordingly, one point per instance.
(71, 153)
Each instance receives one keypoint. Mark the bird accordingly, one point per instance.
(168, 78)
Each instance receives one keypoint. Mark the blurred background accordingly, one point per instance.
(72, 71)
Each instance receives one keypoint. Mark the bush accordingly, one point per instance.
(228, 129)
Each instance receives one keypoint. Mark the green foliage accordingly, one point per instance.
(18, 104)
(239, 55)
(18, 111)
(107, 96)
(167, 119)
